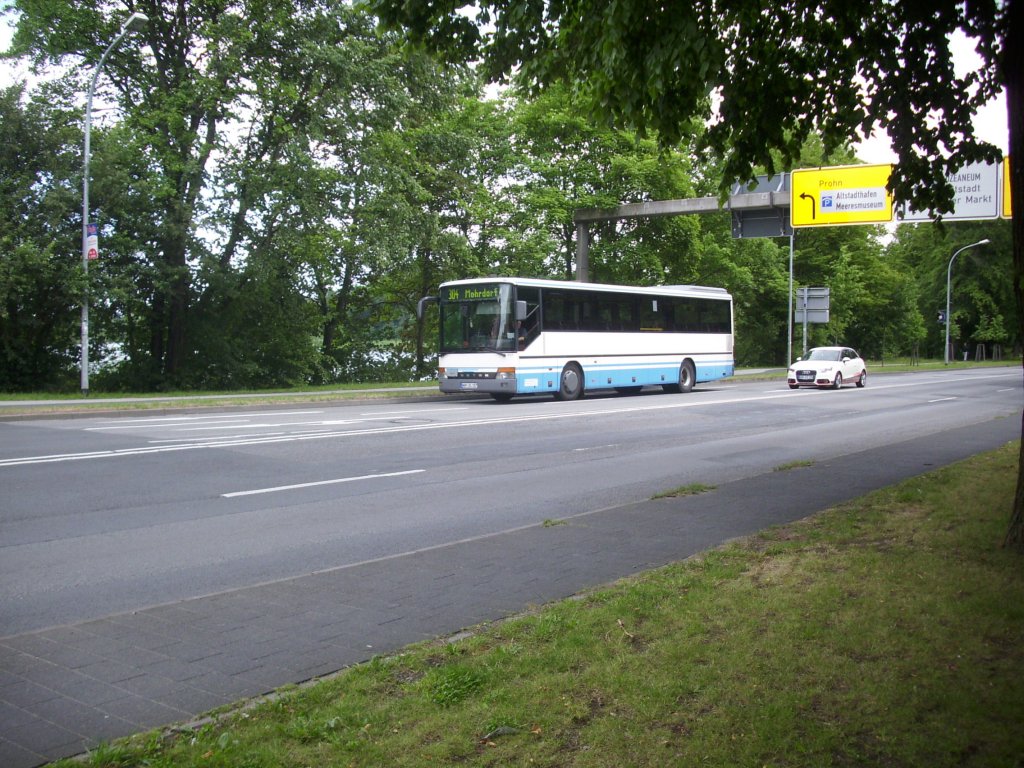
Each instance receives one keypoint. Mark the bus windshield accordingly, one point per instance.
(478, 318)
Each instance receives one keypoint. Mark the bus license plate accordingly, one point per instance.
(468, 385)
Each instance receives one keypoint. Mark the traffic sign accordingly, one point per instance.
(854, 194)
(812, 305)
(1007, 211)
(976, 188)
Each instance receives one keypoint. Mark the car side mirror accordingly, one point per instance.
(846, 359)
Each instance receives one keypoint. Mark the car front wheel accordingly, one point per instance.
(838, 383)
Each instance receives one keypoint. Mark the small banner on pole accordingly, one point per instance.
(92, 242)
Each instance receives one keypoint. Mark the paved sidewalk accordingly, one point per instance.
(66, 689)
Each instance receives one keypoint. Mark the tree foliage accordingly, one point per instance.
(39, 287)
(765, 76)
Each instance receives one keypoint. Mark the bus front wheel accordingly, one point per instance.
(570, 383)
(687, 377)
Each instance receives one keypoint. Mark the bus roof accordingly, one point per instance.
(659, 290)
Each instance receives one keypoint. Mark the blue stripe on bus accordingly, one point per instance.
(546, 379)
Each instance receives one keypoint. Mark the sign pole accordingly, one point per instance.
(789, 324)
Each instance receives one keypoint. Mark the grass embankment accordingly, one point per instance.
(888, 631)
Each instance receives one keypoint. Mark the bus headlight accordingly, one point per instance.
(504, 374)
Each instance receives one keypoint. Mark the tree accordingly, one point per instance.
(245, 164)
(40, 286)
(777, 73)
(982, 284)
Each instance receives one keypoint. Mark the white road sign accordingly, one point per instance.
(977, 195)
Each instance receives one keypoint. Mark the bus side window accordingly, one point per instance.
(652, 314)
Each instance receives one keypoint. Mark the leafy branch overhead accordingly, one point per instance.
(764, 77)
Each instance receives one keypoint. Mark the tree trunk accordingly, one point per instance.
(1014, 77)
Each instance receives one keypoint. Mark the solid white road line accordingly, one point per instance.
(319, 482)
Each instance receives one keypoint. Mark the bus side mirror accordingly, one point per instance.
(423, 302)
(521, 310)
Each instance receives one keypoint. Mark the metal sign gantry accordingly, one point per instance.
(759, 209)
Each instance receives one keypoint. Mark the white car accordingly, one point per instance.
(828, 367)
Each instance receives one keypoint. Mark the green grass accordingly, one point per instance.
(126, 401)
(691, 489)
(796, 464)
(885, 632)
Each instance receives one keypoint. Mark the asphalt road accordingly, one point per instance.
(114, 513)
(156, 566)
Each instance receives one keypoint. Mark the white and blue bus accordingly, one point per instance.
(508, 336)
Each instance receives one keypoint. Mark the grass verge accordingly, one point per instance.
(887, 631)
(692, 489)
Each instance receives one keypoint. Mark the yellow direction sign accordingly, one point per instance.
(853, 194)
(1007, 207)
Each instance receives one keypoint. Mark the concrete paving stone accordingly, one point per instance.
(173, 669)
(50, 740)
(70, 635)
(231, 611)
(104, 627)
(87, 721)
(26, 644)
(150, 686)
(267, 677)
(139, 638)
(8, 678)
(12, 661)
(143, 713)
(62, 654)
(44, 673)
(314, 670)
(14, 714)
(254, 647)
(87, 689)
(238, 633)
(97, 645)
(15, 756)
(227, 685)
(232, 663)
(341, 633)
(133, 655)
(192, 700)
(112, 672)
(284, 658)
(25, 693)
(191, 650)
(180, 613)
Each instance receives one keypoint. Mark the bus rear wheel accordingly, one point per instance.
(570, 385)
(687, 377)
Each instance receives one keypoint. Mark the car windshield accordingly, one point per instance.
(823, 354)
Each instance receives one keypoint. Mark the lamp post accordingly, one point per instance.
(136, 22)
(949, 272)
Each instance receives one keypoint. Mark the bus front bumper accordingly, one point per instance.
(501, 382)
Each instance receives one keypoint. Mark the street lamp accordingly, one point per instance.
(949, 272)
(136, 22)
